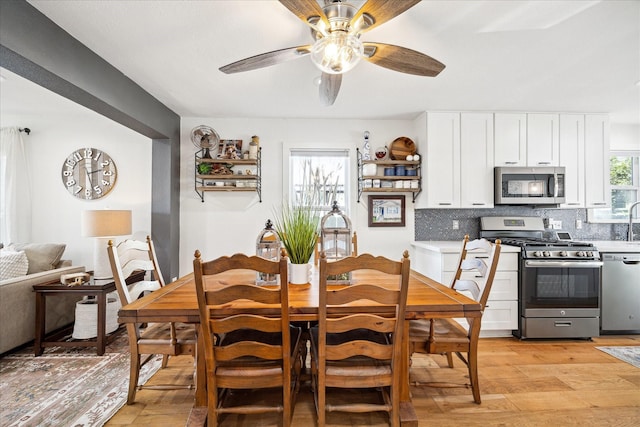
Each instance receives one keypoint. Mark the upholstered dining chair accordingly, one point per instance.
(359, 350)
(167, 339)
(247, 350)
(447, 336)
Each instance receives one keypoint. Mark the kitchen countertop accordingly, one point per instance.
(453, 246)
(615, 245)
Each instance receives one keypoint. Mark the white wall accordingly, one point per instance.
(56, 214)
(625, 136)
(229, 222)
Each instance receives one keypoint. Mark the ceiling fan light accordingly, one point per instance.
(337, 53)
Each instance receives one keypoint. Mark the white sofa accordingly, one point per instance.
(18, 307)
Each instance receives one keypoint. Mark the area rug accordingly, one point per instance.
(69, 386)
(630, 354)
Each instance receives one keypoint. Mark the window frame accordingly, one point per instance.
(347, 148)
(635, 186)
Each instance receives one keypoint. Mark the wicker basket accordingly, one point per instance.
(86, 323)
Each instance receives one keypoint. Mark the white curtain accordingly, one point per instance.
(15, 188)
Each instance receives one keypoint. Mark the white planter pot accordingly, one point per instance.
(299, 274)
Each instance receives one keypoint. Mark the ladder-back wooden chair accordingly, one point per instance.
(245, 349)
(447, 336)
(360, 350)
(167, 339)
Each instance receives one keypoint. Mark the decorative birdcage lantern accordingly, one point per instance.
(268, 246)
(335, 238)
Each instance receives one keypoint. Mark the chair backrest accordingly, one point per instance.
(484, 266)
(463, 254)
(334, 317)
(222, 302)
(129, 256)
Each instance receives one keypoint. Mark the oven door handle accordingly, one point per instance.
(563, 264)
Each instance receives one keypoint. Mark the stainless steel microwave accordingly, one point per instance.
(529, 185)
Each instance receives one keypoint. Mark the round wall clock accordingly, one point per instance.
(89, 173)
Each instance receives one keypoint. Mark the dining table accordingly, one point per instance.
(177, 302)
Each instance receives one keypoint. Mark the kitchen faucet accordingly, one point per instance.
(630, 236)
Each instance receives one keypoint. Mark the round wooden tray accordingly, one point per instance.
(401, 148)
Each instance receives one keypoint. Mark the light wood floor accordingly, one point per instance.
(523, 383)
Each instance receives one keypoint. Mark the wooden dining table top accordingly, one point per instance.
(177, 300)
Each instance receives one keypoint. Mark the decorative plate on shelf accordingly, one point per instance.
(401, 148)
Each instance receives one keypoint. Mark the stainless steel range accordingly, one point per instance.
(559, 279)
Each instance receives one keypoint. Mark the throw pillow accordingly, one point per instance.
(13, 264)
(42, 256)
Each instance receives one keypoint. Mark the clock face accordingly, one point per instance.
(89, 174)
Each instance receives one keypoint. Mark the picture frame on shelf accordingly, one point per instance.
(230, 149)
(386, 211)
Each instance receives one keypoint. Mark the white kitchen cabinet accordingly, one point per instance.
(543, 147)
(597, 178)
(476, 160)
(572, 158)
(510, 139)
(438, 260)
(459, 160)
(443, 161)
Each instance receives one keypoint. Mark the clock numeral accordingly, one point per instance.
(87, 193)
(77, 189)
(71, 182)
(97, 189)
(105, 182)
(107, 173)
(88, 153)
(98, 154)
(105, 163)
(67, 173)
(71, 163)
(76, 157)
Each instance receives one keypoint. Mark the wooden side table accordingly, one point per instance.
(56, 288)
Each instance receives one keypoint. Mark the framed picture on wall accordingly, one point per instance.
(386, 211)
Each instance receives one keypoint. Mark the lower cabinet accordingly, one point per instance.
(438, 260)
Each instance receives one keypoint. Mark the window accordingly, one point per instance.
(322, 174)
(625, 187)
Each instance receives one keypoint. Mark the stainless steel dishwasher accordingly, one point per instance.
(620, 302)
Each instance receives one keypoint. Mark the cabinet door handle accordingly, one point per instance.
(599, 203)
(510, 163)
(544, 163)
(444, 204)
(573, 204)
(478, 204)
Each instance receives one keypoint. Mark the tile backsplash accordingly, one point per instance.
(436, 224)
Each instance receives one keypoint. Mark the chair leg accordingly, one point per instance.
(165, 360)
(450, 359)
(134, 371)
(473, 375)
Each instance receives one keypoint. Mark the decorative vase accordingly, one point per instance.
(299, 274)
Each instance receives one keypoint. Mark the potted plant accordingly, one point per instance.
(297, 227)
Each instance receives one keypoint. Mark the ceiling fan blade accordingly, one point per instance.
(329, 88)
(266, 59)
(305, 9)
(382, 11)
(402, 59)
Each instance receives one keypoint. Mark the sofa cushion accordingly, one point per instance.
(13, 264)
(42, 256)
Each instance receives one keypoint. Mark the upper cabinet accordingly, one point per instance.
(459, 161)
(476, 160)
(572, 158)
(510, 139)
(543, 148)
(597, 180)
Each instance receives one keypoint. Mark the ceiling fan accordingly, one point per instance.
(336, 29)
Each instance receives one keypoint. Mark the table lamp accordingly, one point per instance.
(104, 224)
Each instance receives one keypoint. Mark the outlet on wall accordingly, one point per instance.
(578, 224)
(456, 224)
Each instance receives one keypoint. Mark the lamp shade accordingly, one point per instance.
(106, 223)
